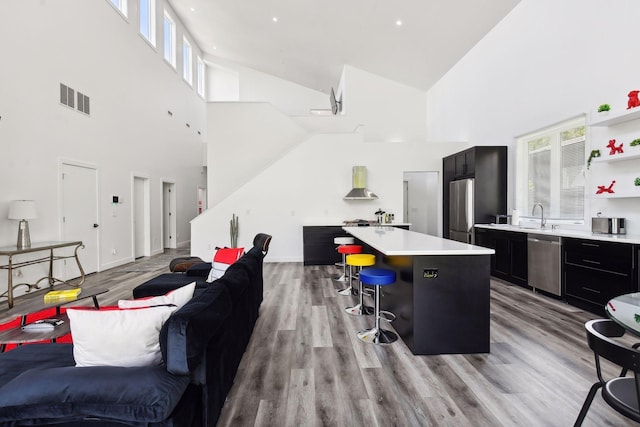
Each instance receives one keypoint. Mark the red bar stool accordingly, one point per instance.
(360, 260)
(342, 241)
(347, 250)
(378, 277)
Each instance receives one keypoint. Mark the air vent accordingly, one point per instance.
(68, 98)
(83, 103)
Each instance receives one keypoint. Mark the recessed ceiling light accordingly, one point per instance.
(399, 23)
(193, 9)
(274, 19)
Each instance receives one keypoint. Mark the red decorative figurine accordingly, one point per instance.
(633, 99)
(614, 149)
(603, 189)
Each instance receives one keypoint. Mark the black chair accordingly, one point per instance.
(621, 393)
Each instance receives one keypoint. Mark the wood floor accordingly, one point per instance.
(304, 366)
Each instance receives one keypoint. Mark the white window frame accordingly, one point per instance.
(200, 76)
(169, 25)
(150, 21)
(121, 6)
(187, 61)
(556, 171)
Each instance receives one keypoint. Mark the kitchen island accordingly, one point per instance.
(441, 294)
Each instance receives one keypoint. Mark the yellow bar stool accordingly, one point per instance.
(341, 241)
(359, 261)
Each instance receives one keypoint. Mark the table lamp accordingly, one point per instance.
(23, 210)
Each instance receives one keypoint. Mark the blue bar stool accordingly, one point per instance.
(378, 277)
(360, 260)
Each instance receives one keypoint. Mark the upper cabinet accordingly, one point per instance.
(616, 172)
(465, 163)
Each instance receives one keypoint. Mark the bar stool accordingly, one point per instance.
(342, 241)
(360, 260)
(346, 251)
(378, 277)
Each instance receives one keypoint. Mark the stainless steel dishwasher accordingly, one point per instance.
(544, 256)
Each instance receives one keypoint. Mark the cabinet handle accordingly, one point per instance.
(592, 245)
(588, 261)
(591, 290)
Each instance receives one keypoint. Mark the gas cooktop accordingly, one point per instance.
(360, 222)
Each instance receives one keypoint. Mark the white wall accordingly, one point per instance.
(388, 110)
(89, 46)
(306, 186)
(245, 138)
(305, 183)
(233, 82)
(223, 84)
(547, 61)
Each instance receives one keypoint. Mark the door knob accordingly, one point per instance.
(95, 226)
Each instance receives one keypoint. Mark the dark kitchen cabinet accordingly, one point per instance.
(596, 271)
(464, 164)
(487, 165)
(317, 243)
(510, 260)
(318, 246)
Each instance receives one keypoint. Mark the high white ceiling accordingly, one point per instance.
(313, 39)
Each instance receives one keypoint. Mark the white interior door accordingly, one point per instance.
(79, 208)
(141, 230)
(421, 201)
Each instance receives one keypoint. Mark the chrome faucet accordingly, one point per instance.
(533, 212)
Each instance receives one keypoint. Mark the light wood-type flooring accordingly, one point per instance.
(305, 367)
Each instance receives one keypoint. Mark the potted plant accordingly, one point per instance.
(604, 108)
(635, 142)
(594, 153)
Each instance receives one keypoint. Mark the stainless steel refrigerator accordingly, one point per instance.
(461, 210)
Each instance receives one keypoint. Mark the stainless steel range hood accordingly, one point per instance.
(359, 190)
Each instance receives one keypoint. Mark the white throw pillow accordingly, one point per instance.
(217, 271)
(177, 297)
(118, 337)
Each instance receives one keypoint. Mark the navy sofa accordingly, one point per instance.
(202, 345)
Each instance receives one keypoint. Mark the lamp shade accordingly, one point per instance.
(22, 209)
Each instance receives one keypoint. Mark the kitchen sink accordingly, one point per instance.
(523, 228)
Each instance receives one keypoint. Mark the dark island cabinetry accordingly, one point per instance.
(596, 271)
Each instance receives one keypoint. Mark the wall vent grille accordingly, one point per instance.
(71, 98)
(67, 96)
(83, 103)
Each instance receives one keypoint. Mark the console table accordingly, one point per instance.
(12, 251)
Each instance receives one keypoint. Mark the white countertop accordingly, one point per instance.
(341, 224)
(619, 238)
(397, 241)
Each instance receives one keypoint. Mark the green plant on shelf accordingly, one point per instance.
(636, 182)
(635, 142)
(604, 107)
(594, 153)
